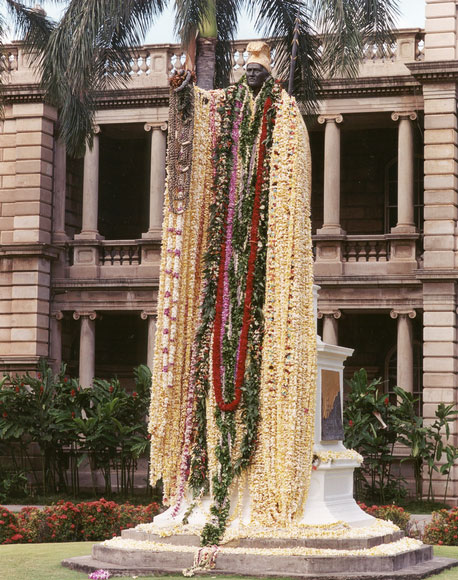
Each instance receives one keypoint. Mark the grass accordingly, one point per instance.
(42, 562)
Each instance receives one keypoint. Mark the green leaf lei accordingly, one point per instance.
(237, 101)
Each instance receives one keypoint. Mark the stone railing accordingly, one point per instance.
(109, 252)
(366, 249)
(124, 253)
(354, 254)
(152, 64)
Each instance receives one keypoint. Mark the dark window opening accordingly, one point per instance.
(124, 175)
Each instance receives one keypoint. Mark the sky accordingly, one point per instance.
(412, 16)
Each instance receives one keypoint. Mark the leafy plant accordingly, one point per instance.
(370, 429)
(443, 529)
(392, 513)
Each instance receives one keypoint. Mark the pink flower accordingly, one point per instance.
(167, 294)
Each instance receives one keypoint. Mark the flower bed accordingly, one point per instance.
(443, 530)
(391, 513)
(69, 522)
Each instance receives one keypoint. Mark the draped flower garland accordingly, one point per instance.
(234, 369)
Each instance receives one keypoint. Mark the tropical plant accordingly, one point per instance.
(370, 428)
(29, 22)
(413, 435)
(91, 48)
(105, 425)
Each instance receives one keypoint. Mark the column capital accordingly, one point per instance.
(329, 313)
(57, 314)
(85, 314)
(401, 115)
(338, 118)
(401, 312)
(162, 125)
(145, 314)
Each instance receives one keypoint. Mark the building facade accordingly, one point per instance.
(80, 239)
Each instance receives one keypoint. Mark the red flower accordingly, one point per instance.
(17, 389)
(314, 467)
(111, 389)
(5, 414)
(134, 395)
(73, 414)
(386, 401)
(73, 392)
(350, 423)
(41, 389)
(65, 379)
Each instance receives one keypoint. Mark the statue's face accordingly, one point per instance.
(256, 75)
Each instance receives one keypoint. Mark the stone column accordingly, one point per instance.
(60, 187)
(55, 346)
(330, 326)
(157, 177)
(87, 347)
(406, 158)
(404, 371)
(151, 317)
(89, 229)
(331, 193)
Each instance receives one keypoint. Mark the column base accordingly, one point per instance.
(154, 233)
(331, 230)
(404, 229)
(89, 235)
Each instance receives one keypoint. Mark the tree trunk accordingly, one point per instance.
(205, 63)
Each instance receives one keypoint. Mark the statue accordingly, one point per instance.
(233, 395)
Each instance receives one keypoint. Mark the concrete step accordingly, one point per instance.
(324, 543)
(422, 569)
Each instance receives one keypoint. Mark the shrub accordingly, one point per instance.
(69, 522)
(391, 513)
(443, 529)
(11, 531)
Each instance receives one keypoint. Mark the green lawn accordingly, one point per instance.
(42, 562)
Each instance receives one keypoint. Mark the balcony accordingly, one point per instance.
(367, 255)
(112, 259)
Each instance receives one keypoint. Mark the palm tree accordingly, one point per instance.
(91, 47)
(29, 23)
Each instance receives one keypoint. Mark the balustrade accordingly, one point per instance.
(151, 64)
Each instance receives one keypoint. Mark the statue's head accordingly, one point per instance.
(258, 67)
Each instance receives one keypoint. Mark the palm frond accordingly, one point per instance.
(227, 16)
(347, 26)
(190, 15)
(90, 50)
(31, 25)
(277, 19)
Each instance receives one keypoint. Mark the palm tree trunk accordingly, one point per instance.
(205, 62)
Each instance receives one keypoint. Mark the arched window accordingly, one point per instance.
(391, 193)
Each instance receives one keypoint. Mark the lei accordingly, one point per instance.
(228, 344)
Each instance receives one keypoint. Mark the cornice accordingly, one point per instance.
(119, 99)
(29, 250)
(369, 86)
(434, 71)
(129, 98)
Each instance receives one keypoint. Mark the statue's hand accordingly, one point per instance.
(181, 79)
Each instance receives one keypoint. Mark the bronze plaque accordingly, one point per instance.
(331, 408)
